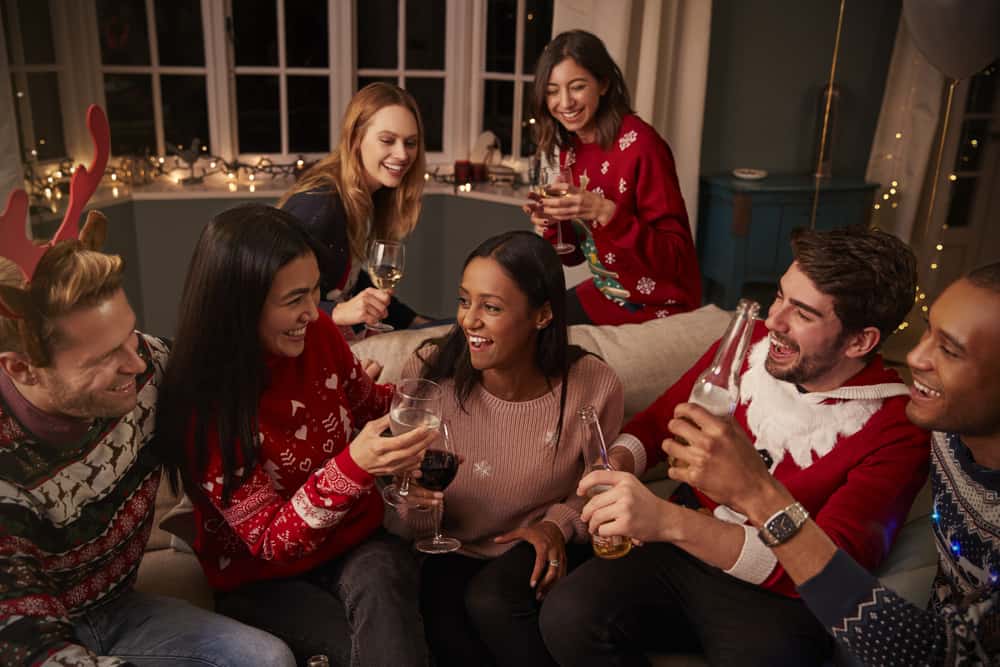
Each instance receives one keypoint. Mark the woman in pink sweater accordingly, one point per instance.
(513, 388)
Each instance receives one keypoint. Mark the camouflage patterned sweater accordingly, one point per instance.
(74, 521)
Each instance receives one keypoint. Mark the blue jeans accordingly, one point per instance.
(153, 631)
(358, 609)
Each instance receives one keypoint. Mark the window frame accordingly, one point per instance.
(481, 76)
(19, 70)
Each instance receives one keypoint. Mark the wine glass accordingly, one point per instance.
(557, 181)
(437, 471)
(385, 267)
(417, 402)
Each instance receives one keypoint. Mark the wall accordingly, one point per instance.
(768, 62)
(157, 239)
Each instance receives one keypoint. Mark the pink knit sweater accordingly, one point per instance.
(513, 475)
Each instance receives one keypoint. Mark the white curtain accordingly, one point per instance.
(905, 136)
(662, 48)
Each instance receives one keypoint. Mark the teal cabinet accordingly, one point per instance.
(744, 226)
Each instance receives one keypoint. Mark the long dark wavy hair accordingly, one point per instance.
(590, 53)
(217, 371)
(535, 268)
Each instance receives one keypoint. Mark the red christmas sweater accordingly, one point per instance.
(643, 261)
(305, 501)
(850, 455)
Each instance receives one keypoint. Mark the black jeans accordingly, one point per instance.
(660, 598)
(483, 612)
(359, 609)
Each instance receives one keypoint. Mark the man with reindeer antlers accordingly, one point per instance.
(78, 480)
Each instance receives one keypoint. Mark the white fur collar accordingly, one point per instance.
(783, 420)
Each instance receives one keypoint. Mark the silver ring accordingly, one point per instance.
(554, 563)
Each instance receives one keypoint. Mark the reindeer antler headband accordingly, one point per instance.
(14, 243)
(16, 246)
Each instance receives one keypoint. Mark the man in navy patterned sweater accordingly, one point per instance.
(956, 392)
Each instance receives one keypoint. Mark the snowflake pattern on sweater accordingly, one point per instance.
(74, 522)
(961, 625)
(656, 266)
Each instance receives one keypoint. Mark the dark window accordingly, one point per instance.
(185, 109)
(130, 113)
(122, 28)
(429, 94)
(36, 32)
(498, 110)
(982, 90)
(306, 34)
(527, 126)
(377, 31)
(255, 33)
(308, 114)
(501, 28)
(537, 32)
(425, 26)
(975, 136)
(179, 34)
(257, 114)
(963, 194)
(365, 80)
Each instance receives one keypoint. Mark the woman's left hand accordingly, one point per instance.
(550, 553)
(579, 204)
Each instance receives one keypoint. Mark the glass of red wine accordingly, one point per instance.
(437, 470)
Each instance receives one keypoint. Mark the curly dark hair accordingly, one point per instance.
(871, 275)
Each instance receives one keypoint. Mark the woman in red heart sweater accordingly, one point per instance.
(261, 408)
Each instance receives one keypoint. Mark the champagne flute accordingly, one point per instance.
(557, 181)
(438, 469)
(386, 260)
(417, 402)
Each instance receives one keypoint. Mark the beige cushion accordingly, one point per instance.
(166, 500)
(647, 357)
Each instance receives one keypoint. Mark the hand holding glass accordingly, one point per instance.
(437, 470)
(417, 402)
(556, 181)
(386, 260)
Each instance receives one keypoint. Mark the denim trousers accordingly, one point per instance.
(660, 598)
(358, 609)
(153, 631)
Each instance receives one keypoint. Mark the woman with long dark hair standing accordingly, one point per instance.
(514, 387)
(369, 188)
(258, 411)
(625, 210)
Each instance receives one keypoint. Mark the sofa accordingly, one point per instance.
(648, 358)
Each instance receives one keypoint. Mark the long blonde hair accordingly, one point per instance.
(393, 211)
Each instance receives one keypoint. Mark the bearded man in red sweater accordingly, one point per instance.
(828, 420)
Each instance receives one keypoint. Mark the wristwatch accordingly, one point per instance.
(783, 524)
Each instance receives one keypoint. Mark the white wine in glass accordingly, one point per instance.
(558, 182)
(417, 402)
(386, 260)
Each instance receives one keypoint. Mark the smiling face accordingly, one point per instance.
(290, 306)
(94, 363)
(501, 327)
(389, 147)
(808, 346)
(573, 96)
(956, 366)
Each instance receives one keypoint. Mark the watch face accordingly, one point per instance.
(782, 526)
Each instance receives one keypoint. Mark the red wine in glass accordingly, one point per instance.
(438, 469)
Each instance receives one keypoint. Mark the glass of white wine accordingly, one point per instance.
(556, 181)
(386, 260)
(417, 402)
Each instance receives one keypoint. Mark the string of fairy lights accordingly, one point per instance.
(47, 185)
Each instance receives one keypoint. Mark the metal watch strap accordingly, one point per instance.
(783, 524)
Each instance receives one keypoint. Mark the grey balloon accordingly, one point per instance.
(958, 37)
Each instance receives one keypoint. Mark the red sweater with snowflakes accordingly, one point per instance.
(850, 455)
(305, 501)
(643, 261)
